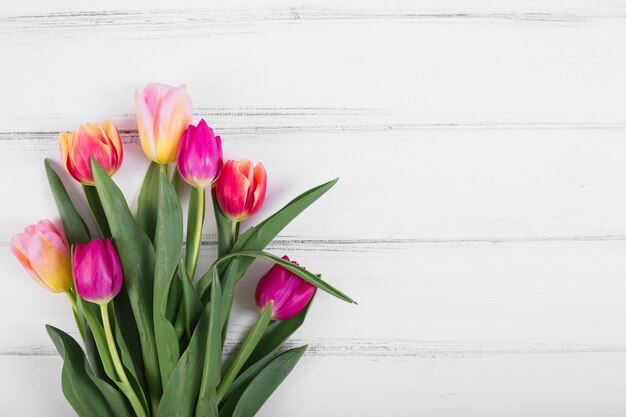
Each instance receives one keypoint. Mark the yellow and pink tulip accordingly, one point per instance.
(43, 251)
(163, 114)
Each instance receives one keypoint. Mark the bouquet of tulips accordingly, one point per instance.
(153, 329)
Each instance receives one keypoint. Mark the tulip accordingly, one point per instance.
(163, 113)
(289, 292)
(43, 250)
(97, 271)
(102, 141)
(240, 189)
(199, 157)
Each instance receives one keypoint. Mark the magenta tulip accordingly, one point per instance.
(97, 271)
(199, 158)
(289, 292)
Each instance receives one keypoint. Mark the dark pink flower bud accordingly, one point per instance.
(289, 292)
(97, 271)
(199, 157)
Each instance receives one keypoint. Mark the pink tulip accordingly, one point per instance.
(289, 292)
(199, 158)
(163, 114)
(43, 250)
(102, 141)
(97, 271)
(240, 189)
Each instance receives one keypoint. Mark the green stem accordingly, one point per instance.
(244, 352)
(234, 233)
(117, 363)
(195, 219)
(163, 168)
(72, 298)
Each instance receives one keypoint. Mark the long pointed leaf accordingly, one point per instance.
(207, 401)
(137, 257)
(266, 382)
(147, 202)
(168, 248)
(73, 224)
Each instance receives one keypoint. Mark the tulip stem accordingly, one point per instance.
(195, 220)
(72, 298)
(245, 350)
(117, 363)
(163, 168)
(234, 233)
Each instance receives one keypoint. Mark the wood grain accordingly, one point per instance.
(479, 220)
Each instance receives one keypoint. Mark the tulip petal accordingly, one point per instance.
(260, 177)
(145, 127)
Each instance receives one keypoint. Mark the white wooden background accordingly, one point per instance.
(480, 220)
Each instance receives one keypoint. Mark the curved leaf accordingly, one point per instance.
(258, 237)
(79, 388)
(75, 228)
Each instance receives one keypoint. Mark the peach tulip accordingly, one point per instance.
(45, 254)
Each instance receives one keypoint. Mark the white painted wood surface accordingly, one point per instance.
(480, 220)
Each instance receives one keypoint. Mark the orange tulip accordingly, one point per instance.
(102, 141)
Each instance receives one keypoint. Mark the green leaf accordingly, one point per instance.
(267, 349)
(73, 224)
(258, 237)
(207, 402)
(245, 350)
(266, 382)
(224, 234)
(137, 257)
(96, 210)
(78, 386)
(168, 249)
(148, 199)
(192, 306)
(296, 269)
(275, 335)
(181, 392)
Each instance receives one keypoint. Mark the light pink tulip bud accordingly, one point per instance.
(45, 254)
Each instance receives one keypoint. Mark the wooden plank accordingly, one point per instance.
(437, 185)
(348, 74)
(454, 299)
(530, 384)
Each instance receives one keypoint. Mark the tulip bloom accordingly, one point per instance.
(240, 189)
(97, 271)
(43, 250)
(102, 141)
(289, 292)
(199, 157)
(163, 113)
